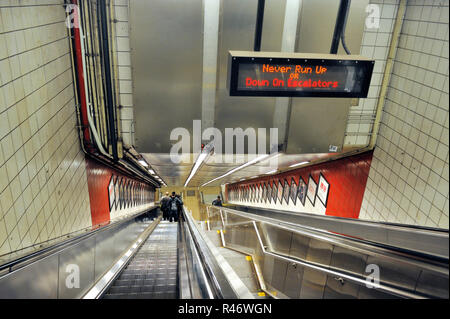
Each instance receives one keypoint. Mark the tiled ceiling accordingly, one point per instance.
(175, 174)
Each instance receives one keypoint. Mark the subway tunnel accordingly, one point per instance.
(224, 149)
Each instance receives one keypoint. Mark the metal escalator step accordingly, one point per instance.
(152, 273)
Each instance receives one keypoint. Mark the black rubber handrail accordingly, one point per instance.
(70, 241)
(405, 252)
(427, 228)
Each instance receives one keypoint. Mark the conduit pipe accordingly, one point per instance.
(79, 57)
(88, 124)
(387, 72)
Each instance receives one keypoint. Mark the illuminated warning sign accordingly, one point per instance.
(298, 75)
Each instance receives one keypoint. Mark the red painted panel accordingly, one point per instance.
(347, 178)
(98, 178)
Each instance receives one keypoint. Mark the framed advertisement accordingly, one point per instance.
(293, 191)
(312, 190)
(269, 192)
(302, 190)
(280, 192)
(323, 189)
(274, 191)
(263, 193)
(121, 194)
(286, 191)
(111, 193)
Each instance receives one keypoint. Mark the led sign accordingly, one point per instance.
(298, 74)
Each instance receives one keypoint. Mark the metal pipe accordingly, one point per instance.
(259, 25)
(81, 75)
(103, 21)
(388, 71)
(339, 26)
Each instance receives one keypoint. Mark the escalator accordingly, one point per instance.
(152, 272)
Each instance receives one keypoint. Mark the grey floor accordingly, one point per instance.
(239, 263)
(152, 273)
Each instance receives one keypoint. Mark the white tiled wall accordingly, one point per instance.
(375, 45)
(43, 186)
(409, 177)
(124, 70)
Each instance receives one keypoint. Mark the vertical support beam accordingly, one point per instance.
(259, 25)
(288, 41)
(339, 26)
(210, 52)
(110, 106)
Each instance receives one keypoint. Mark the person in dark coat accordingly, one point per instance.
(217, 202)
(174, 204)
(165, 206)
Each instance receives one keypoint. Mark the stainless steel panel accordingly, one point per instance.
(372, 293)
(299, 246)
(395, 273)
(336, 289)
(81, 255)
(432, 284)
(319, 252)
(237, 30)
(293, 281)
(279, 274)
(348, 260)
(278, 240)
(38, 280)
(104, 253)
(317, 123)
(167, 49)
(313, 284)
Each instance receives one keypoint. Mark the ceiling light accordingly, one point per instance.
(258, 159)
(152, 171)
(197, 165)
(298, 164)
(143, 163)
(271, 172)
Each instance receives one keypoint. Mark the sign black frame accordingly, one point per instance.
(235, 61)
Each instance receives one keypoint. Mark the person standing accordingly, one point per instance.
(217, 202)
(165, 206)
(174, 203)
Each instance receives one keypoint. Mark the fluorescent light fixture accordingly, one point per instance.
(258, 159)
(298, 164)
(143, 163)
(152, 171)
(271, 172)
(254, 177)
(242, 179)
(197, 165)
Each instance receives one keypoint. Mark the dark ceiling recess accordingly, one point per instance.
(259, 25)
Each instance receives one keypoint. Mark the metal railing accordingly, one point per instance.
(46, 273)
(301, 262)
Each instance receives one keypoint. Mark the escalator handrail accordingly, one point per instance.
(400, 252)
(348, 220)
(213, 270)
(68, 242)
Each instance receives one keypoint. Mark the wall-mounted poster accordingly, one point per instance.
(286, 191)
(293, 191)
(302, 190)
(280, 192)
(312, 190)
(117, 193)
(263, 193)
(323, 189)
(111, 193)
(269, 192)
(274, 191)
(121, 194)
